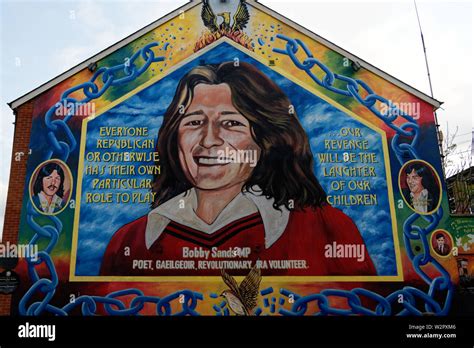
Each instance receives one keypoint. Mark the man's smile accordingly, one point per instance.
(208, 161)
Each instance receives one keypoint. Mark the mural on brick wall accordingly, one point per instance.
(225, 163)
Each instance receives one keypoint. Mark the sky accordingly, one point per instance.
(40, 39)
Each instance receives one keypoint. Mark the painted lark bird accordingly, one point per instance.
(242, 299)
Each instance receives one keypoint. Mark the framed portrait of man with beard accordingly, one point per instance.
(50, 187)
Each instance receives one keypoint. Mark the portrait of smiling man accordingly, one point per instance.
(236, 184)
(48, 189)
(422, 192)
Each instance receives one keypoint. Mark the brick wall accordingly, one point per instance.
(21, 142)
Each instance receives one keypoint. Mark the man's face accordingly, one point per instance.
(210, 127)
(51, 183)
(414, 182)
(440, 241)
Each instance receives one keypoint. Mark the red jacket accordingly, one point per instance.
(308, 236)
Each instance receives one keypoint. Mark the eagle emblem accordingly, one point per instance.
(239, 22)
(230, 26)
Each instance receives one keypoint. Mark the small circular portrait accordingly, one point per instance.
(51, 187)
(442, 243)
(420, 187)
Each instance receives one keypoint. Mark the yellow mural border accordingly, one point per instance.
(305, 279)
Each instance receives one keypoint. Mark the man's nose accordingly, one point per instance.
(211, 136)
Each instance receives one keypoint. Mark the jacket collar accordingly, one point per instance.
(181, 209)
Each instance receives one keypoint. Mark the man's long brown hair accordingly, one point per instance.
(285, 169)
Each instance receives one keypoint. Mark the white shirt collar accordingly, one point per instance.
(46, 206)
(181, 209)
(420, 203)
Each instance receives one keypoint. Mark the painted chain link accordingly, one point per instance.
(91, 90)
(188, 300)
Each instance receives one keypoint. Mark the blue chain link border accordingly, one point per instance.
(188, 299)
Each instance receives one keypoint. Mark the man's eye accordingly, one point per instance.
(232, 123)
(194, 123)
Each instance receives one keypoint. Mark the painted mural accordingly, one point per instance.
(227, 164)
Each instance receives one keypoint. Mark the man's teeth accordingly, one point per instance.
(215, 160)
